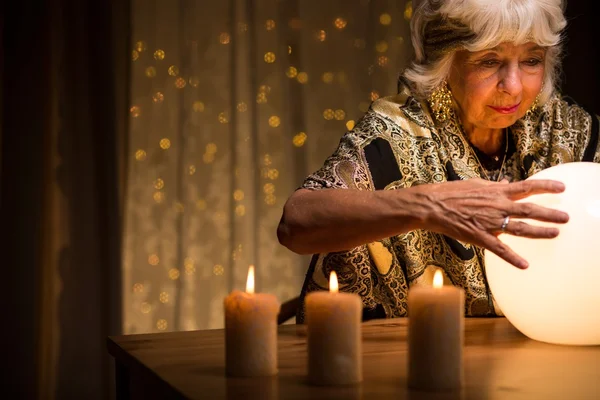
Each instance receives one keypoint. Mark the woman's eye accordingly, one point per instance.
(489, 63)
(532, 62)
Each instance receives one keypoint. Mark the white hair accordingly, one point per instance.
(492, 22)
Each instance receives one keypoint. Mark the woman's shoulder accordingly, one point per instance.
(565, 111)
(404, 112)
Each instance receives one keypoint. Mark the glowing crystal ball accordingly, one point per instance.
(556, 299)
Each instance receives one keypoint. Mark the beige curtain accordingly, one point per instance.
(65, 69)
(233, 103)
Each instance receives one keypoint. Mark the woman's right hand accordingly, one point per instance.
(474, 210)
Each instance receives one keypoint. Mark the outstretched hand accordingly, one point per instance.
(475, 211)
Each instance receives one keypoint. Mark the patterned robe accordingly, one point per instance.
(396, 145)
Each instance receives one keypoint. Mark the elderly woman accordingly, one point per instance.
(430, 177)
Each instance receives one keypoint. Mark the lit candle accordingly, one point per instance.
(333, 322)
(250, 332)
(435, 336)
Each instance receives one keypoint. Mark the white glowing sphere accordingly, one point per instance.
(556, 299)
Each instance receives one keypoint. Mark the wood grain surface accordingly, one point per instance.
(499, 363)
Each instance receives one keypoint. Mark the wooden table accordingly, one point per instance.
(500, 363)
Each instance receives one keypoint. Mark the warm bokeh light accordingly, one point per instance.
(158, 97)
(159, 55)
(140, 155)
(302, 77)
(173, 70)
(140, 46)
(274, 121)
(224, 38)
(180, 83)
(150, 72)
(291, 72)
(269, 57)
(219, 122)
(165, 143)
(135, 111)
(340, 23)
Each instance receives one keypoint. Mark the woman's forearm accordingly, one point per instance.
(328, 220)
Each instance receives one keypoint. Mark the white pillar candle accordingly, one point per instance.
(333, 322)
(250, 332)
(435, 336)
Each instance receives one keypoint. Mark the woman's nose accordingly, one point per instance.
(510, 80)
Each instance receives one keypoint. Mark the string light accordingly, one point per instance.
(224, 38)
(218, 269)
(140, 155)
(291, 72)
(150, 72)
(408, 10)
(238, 195)
(140, 46)
(180, 83)
(177, 100)
(302, 77)
(198, 106)
(173, 70)
(328, 114)
(163, 297)
(385, 19)
(339, 115)
(161, 324)
(158, 97)
(340, 23)
(194, 81)
(298, 141)
(274, 121)
(269, 57)
(381, 46)
(135, 111)
(165, 143)
(173, 274)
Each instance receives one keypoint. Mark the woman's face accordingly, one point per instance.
(494, 88)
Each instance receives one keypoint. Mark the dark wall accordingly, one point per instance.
(581, 71)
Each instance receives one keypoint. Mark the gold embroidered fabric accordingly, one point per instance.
(427, 152)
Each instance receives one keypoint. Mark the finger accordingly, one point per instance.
(523, 189)
(539, 213)
(522, 229)
(497, 247)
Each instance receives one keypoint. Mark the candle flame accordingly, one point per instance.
(438, 279)
(333, 282)
(250, 281)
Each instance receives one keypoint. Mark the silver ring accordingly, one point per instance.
(505, 223)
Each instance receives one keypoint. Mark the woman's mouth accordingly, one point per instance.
(506, 110)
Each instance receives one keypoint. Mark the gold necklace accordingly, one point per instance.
(487, 177)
